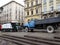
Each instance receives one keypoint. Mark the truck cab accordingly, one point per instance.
(29, 26)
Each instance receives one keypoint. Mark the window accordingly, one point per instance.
(16, 13)
(10, 14)
(32, 12)
(19, 15)
(36, 1)
(31, 3)
(58, 7)
(27, 4)
(36, 11)
(50, 1)
(44, 1)
(7, 11)
(45, 9)
(19, 11)
(1, 9)
(51, 8)
(7, 17)
(27, 13)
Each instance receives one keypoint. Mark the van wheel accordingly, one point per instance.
(3, 30)
(10, 30)
(50, 29)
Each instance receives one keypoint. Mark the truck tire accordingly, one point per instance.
(26, 29)
(3, 30)
(32, 30)
(50, 29)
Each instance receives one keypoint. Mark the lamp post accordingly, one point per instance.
(1, 9)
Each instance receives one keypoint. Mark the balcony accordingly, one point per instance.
(50, 1)
(48, 12)
(33, 6)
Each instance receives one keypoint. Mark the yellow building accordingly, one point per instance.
(32, 9)
(41, 9)
(50, 8)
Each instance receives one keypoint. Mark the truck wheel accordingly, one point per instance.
(32, 30)
(50, 29)
(26, 29)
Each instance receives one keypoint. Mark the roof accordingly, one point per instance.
(11, 2)
(47, 21)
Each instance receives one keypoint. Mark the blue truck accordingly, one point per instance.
(50, 24)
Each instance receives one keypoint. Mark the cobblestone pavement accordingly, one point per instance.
(3, 42)
(36, 34)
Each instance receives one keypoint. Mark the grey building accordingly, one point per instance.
(12, 12)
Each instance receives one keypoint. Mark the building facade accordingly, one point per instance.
(41, 9)
(12, 12)
(32, 9)
(50, 8)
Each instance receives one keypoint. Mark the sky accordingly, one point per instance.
(2, 2)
